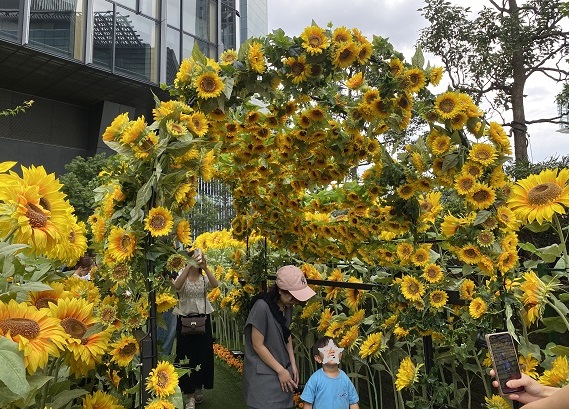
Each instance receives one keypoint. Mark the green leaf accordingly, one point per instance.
(64, 397)
(197, 54)
(27, 287)
(13, 373)
(481, 217)
(535, 227)
(418, 59)
(450, 161)
(8, 249)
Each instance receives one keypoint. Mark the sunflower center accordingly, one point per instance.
(120, 272)
(44, 302)
(128, 349)
(125, 242)
(72, 236)
(481, 196)
(483, 155)
(315, 41)
(544, 193)
(20, 326)
(208, 84)
(37, 218)
(345, 54)
(413, 288)
(163, 379)
(74, 327)
(446, 105)
(297, 68)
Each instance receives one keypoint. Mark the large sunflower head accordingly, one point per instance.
(411, 288)
(162, 380)
(37, 333)
(101, 400)
(124, 350)
(540, 197)
(314, 40)
(257, 57)
(208, 85)
(122, 243)
(159, 221)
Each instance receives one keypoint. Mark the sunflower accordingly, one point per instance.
(466, 290)
(37, 334)
(122, 243)
(438, 298)
(341, 35)
(41, 299)
(101, 400)
(76, 315)
(485, 238)
(23, 216)
(314, 40)
(557, 375)
(433, 273)
(162, 380)
(407, 374)
(395, 67)
(411, 288)
(107, 311)
(483, 153)
(299, 69)
(165, 302)
(114, 130)
(464, 183)
(448, 105)
(124, 350)
(133, 131)
(198, 123)
(208, 85)
(325, 319)
(477, 308)
(365, 50)
(441, 144)
(257, 57)
(183, 232)
(528, 365)
(436, 75)
(481, 196)
(421, 256)
(404, 250)
(159, 221)
(406, 191)
(507, 260)
(540, 197)
(416, 79)
(344, 55)
(354, 296)
(372, 346)
(228, 57)
(159, 404)
(469, 254)
(496, 402)
(350, 337)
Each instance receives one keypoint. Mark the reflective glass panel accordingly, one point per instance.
(58, 27)
(135, 45)
(228, 27)
(149, 7)
(173, 13)
(128, 3)
(173, 58)
(187, 45)
(9, 15)
(102, 33)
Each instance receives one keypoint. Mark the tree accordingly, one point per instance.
(79, 182)
(492, 56)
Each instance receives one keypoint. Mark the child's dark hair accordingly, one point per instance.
(321, 343)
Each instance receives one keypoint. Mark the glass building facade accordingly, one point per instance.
(84, 62)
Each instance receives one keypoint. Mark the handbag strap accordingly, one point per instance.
(204, 296)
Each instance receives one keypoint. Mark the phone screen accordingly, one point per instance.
(505, 359)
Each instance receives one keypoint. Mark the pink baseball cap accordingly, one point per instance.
(291, 279)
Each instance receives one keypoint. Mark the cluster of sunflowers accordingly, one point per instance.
(286, 123)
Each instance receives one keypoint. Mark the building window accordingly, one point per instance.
(125, 42)
(9, 20)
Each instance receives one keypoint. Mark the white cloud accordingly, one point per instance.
(401, 22)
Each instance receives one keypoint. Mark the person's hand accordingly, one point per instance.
(287, 383)
(294, 373)
(533, 389)
(199, 256)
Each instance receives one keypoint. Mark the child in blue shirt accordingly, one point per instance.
(329, 387)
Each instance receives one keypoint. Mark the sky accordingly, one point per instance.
(401, 22)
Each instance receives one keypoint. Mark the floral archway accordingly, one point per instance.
(341, 156)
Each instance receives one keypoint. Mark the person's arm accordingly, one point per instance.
(558, 400)
(306, 405)
(355, 406)
(290, 351)
(202, 262)
(181, 279)
(258, 341)
(533, 390)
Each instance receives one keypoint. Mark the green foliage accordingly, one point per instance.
(522, 169)
(80, 181)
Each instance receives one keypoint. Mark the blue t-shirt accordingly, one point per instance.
(324, 392)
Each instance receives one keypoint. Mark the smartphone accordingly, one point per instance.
(504, 360)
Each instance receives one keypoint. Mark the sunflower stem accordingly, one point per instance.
(482, 372)
(562, 242)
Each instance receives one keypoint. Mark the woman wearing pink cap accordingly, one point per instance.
(270, 375)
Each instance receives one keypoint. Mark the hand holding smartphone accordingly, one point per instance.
(504, 360)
